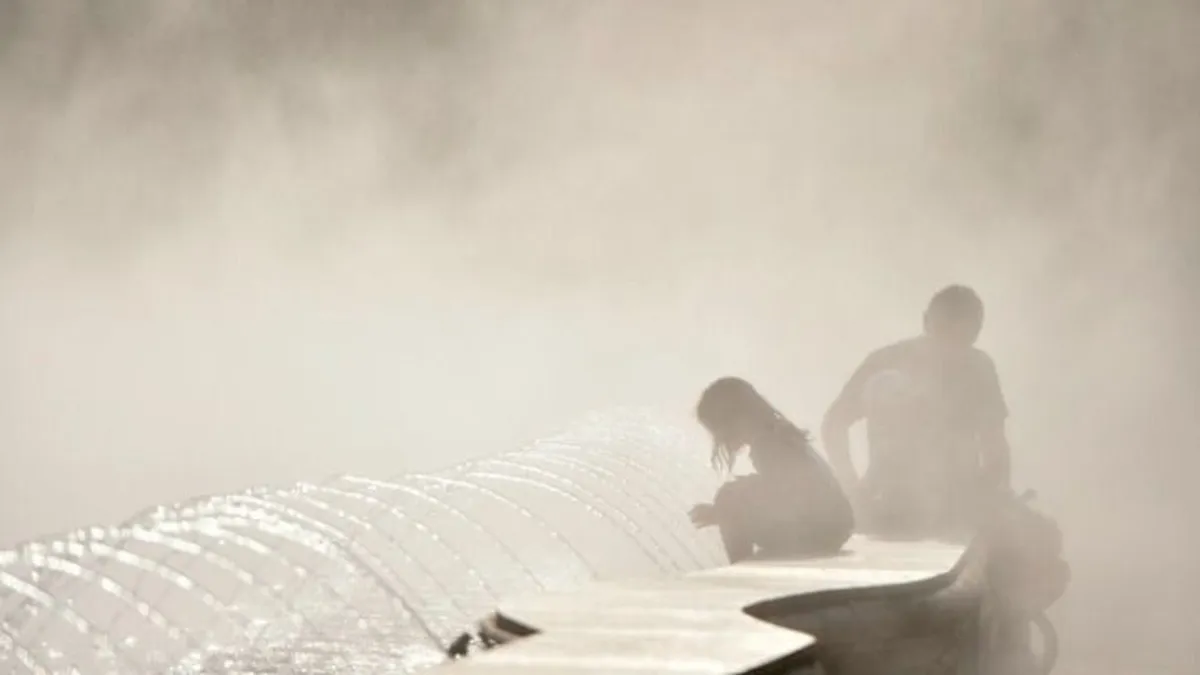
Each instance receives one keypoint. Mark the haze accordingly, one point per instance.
(247, 242)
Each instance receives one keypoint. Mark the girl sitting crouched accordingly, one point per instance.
(791, 505)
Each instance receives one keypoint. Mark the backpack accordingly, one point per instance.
(1026, 571)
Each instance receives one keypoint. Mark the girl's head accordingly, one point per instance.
(734, 413)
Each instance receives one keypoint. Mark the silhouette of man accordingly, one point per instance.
(935, 416)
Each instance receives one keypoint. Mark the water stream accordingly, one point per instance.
(355, 575)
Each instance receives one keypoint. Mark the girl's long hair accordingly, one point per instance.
(723, 402)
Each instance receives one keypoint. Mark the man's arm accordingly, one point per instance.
(996, 455)
(846, 410)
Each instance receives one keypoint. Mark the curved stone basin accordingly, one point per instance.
(739, 618)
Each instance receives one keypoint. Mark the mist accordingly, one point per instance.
(246, 243)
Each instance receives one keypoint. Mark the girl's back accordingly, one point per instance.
(793, 497)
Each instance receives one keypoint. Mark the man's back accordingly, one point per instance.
(925, 407)
(935, 416)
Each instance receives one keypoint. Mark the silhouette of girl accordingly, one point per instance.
(792, 505)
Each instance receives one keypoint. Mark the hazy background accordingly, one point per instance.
(246, 242)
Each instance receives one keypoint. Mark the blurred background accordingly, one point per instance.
(247, 242)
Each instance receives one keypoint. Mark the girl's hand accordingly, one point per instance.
(703, 515)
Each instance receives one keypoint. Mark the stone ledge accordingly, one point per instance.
(724, 620)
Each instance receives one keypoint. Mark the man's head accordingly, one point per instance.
(954, 316)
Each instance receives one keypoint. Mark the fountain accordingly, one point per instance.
(577, 550)
(354, 574)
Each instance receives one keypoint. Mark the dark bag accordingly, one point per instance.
(1025, 569)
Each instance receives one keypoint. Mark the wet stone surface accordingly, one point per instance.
(741, 617)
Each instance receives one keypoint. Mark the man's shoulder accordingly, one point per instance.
(982, 358)
(895, 351)
(915, 345)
